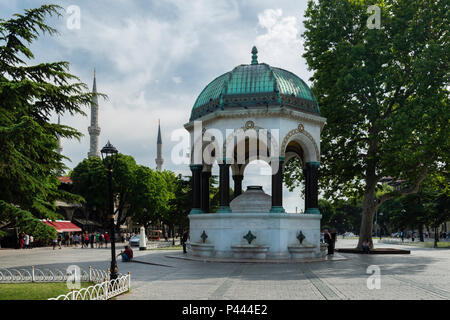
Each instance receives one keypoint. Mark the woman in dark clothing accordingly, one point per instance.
(328, 240)
(333, 240)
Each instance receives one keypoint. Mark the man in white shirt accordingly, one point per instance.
(27, 241)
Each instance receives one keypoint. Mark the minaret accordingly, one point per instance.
(59, 150)
(159, 160)
(94, 129)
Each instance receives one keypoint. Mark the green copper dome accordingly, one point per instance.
(253, 85)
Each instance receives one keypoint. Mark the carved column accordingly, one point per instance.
(205, 191)
(196, 185)
(224, 187)
(237, 185)
(311, 187)
(277, 185)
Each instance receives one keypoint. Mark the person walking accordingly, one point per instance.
(59, 240)
(184, 239)
(54, 242)
(31, 241)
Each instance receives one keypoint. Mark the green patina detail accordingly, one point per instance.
(312, 211)
(315, 164)
(255, 84)
(224, 209)
(300, 237)
(204, 236)
(196, 211)
(254, 55)
(277, 209)
(196, 167)
(249, 237)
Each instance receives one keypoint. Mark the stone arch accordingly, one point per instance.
(272, 144)
(306, 141)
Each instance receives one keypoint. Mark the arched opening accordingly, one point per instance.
(302, 152)
(258, 173)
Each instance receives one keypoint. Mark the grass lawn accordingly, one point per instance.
(35, 291)
(429, 244)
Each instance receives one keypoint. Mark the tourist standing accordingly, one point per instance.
(54, 242)
(75, 239)
(86, 240)
(333, 239)
(92, 240)
(60, 240)
(21, 239)
(328, 241)
(27, 241)
(184, 239)
(106, 239)
(31, 241)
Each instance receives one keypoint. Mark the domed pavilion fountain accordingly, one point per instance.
(254, 112)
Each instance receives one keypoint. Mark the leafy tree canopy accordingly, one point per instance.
(29, 96)
(384, 93)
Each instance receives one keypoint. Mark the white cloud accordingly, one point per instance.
(141, 49)
(177, 80)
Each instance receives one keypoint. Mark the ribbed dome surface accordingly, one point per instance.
(256, 84)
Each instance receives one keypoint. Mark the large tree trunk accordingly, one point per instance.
(369, 208)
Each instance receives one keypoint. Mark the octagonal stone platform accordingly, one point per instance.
(273, 233)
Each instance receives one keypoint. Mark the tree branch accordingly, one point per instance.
(405, 191)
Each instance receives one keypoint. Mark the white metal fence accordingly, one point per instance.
(104, 288)
(101, 291)
(14, 275)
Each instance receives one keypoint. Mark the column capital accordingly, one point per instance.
(313, 164)
(195, 167)
(312, 211)
(278, 159)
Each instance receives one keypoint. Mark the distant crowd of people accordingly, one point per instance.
(26, 241)
(92, 239)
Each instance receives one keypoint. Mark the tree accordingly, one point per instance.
(384, 94)
(90, 181)
(29, 95)
(150, 198)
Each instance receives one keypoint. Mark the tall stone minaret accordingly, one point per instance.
(60, 148)
(94, 129)
(159, 160)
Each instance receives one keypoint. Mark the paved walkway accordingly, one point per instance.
(421, 275)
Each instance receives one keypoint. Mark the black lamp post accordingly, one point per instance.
(110, 153)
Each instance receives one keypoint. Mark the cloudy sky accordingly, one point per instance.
(153, 58)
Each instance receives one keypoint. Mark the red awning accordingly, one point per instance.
(62, 226)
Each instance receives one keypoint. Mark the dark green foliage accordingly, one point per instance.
(384, 93)
(29, 96)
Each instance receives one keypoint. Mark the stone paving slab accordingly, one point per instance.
(179, 255)
(421, 275)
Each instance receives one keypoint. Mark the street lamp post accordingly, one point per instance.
(110, 152)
